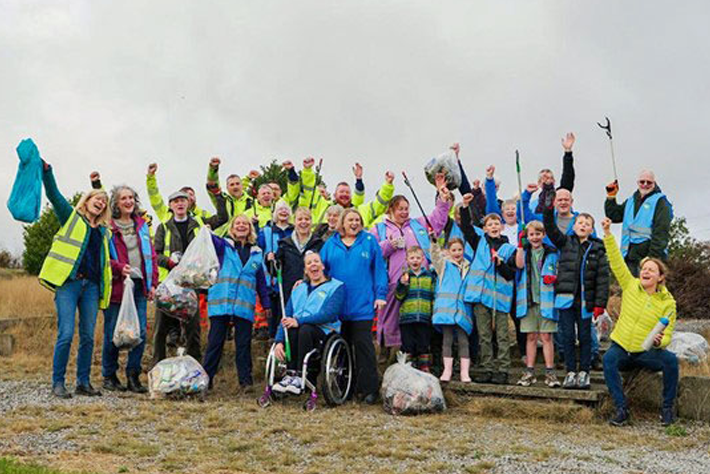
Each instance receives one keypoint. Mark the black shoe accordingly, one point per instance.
(134, 383)
(485, 377)
(112, 384)
(371, 399)
(60, 391)
(500, 378)
(667, 417)
(621, 417)
(597, 363)
(87, 391)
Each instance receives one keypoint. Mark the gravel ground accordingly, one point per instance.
(489, 445)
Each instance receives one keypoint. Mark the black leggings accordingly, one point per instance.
(303, 340)
(359, 335)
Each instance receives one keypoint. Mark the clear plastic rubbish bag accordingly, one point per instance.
(604, 325)
(127, 333)
(199, 266)
(175, 300)
(408, 391)
(448, 164)
(177, 377)
(689, 346)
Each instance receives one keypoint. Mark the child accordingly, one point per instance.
(536, 301)
(451, 314)
(490, 288)
(416, 292)
(581, 290)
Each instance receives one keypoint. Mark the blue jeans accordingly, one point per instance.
(109, 355)
(617, 359)
(84, 295)
(557, 339)
(571, 320)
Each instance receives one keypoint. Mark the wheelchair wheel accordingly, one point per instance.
(336, 371)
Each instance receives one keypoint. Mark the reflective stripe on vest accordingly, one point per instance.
(484, 284)
(547, 292)
(234, 294)
(637, 229)
(305, 304)
(449, 306)
(67, 250)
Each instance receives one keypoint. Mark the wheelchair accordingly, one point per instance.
(335, 376)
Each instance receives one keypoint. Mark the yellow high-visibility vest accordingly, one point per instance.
(64, 256)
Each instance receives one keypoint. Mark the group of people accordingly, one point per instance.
(304, 263)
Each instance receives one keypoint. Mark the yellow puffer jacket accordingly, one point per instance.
(639, 311)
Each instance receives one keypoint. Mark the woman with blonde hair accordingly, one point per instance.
(78, 270)
(241, 266)
(354, 257)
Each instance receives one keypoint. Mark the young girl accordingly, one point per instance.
(451, 314)
(535, 300)
(416, 292)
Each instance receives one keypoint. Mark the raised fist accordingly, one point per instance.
(288, 165)
(309, 162)
(532, 187)
(215, 162)
(489, 171)
(253, 174)
(389, 177)
(95, 176)
(467, 198)
(357, 171)
(152, 168)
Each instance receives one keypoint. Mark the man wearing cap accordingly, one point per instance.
(646, 218)
(171, 240)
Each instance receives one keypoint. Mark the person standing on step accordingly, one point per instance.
(644, 301)
(132, 255)
(581, 290)
(77, 269)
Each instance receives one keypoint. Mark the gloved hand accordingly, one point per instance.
(521, 239)
(549, 279)
(175, 257)
(612, 189)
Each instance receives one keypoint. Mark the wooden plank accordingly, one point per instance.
(592, 395)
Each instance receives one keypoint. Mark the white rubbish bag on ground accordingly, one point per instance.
(689, 346)
(177, 377)
(127, 333)
(199, 266)
(408, 391)
(448, 164)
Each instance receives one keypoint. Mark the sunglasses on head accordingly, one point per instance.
(645, 182)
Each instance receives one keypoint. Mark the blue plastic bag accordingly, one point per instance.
(25, 201)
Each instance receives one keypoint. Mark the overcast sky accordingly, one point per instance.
(112, 86)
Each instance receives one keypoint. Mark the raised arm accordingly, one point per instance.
(359, 194)
(612, 209)
(492, 205)
(567, 180)
(156, 200)
(548, 219)
(616, 260)
(469, 233)
(221, 204)
(378, 206)
(60, 205)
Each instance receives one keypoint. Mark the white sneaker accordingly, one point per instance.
(570, 381)
(294, 386)
(282, 386)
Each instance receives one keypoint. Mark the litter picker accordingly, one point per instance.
(409, 185)
(279, 279)
(607, 129)
(520, 187)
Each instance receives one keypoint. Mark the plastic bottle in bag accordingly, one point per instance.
(177, 376)
(127, 333)
(199, 266)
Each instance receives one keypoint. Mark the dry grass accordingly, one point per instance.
(23, 297)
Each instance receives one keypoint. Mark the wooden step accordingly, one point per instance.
(537, 391)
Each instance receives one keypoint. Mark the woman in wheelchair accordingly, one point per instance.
(312, 313)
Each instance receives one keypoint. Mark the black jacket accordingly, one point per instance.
(291, 261)
(569, 266)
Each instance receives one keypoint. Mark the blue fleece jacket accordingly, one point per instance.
(362, 270)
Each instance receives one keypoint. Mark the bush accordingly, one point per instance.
(689, 265)
(38, 238)
(8, 260)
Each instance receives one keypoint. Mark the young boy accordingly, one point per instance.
(537, 264)
(416, 292)
(581, 290)
(490, 288)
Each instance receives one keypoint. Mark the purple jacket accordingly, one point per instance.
(122, 260)
(396, 258)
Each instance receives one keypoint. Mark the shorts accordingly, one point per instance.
(534, 322)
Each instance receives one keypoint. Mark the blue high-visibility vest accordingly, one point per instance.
(638, 228)
(305, 304)
(484, 285)
(547, 292)
(234, 294)
(449, 306)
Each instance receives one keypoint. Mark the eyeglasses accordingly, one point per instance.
(644, 182)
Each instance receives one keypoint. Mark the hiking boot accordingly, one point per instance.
(552, 381)
(583, 382)
(621, 418)
(113, 384)
(500, 378)
(667, 417)
(485, 377)
(527, 379)
(60, 391)
(134, 383)
(87, 391)
(570, 381)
